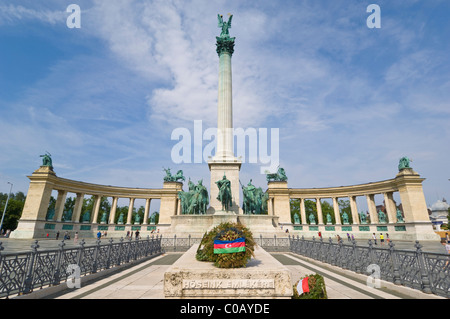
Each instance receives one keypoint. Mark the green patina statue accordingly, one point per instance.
(279, 176)
(86, 217)
(381, 217)
(345, 218)
(255, 200)
(312, 219)
(329, 220)
(362, 218)
(400, 216)
(173, 178)
(120, 220)
(224, 42)
(224, 196)
(196, 200)
(47, 160)
(404, 163)
(296, 219)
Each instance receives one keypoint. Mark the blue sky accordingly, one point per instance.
(103, 99)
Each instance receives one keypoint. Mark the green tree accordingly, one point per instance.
(13, 211)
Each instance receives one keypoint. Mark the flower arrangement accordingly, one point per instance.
(228, 245)
(310, 287)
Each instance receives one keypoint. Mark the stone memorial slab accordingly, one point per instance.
(264, 277)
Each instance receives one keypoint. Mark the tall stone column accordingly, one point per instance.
(112, 213)
(146, 211)
(224, 163)
(354, 210)
(303, 211)
(97, 202)
(77, 209)
(337, 215)
(390, 207)
(372, 208)
(59, 206)
(130, 211)
(319, 211)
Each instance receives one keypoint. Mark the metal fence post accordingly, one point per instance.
(396, 272)
(108, 254)
(95, 262)
(57, 274)
(175, 242)
(119, 252)
(355, 256)
(28, 283)
(423, 270)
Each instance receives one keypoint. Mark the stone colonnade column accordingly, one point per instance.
(112, 213)
(354, 210)
(146, 211)
(337, 215)
(97, 202)
(78, 206)
(130, 211)
(59, 206)
(319, 211)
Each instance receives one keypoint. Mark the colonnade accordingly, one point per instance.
(414, 222)
(44, 181)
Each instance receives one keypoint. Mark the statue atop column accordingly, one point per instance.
(173, 178)
(404, 163)
(47, 160)
(225, 43)
(224, 196)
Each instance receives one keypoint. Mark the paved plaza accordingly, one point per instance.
(146, 281)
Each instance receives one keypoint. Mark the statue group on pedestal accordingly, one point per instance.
(196, 200)
(173, 178)
(279, 176)
(255, 200)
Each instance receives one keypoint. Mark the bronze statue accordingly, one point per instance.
(224, 196)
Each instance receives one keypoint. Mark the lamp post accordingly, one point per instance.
(6, 205)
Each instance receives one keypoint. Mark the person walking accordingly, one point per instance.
(137, 234)
(99, 235)
(57, 235)
(348, 236)
(387, 238)
(75, 238)
(374, 237)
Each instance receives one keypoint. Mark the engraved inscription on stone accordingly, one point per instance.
(229, 284)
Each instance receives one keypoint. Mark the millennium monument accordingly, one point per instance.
(193, 212)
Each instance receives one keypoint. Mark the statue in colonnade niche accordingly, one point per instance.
(329, 220)
(296, 219)
(381, 217)
(137, 219)
(400, 216)
(67, 216)
(86, 217)
(345, 218)
(120, 220)
(362, 218)
(50, 214)
(104, 216)
(312, 219)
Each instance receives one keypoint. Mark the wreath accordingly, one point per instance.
(233, 249)
(316, 288)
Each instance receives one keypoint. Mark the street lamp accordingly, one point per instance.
(6, 205)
